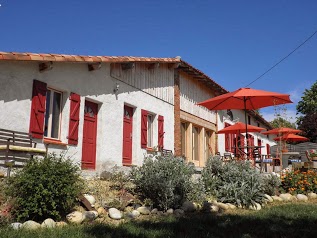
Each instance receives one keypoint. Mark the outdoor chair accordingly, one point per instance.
(227, 156)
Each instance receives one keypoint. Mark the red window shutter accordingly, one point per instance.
(144, 128)
(227, 139)
(38, 109)
(268, 149)
(161, 132)
(73, 119)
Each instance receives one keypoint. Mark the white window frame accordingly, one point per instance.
(48, 124)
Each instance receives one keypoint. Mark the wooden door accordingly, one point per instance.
(127, 135)
(89, 136)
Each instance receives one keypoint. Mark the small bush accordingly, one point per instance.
(299, 182)
(165, 181)
(234, 182)
(45, 188)
(270, 184)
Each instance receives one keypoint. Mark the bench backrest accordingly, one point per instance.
(15, 138)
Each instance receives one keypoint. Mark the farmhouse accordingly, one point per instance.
(103, 110)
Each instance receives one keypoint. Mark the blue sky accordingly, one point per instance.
(233, 42)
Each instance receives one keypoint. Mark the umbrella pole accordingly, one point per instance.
(245, 118)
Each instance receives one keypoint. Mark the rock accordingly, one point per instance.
(48, 223)
(16, 225)
(179, 212)
(75, 217)
(189, 206)
(286, 197)
(90, 215)
(114, 213)
(231, 206)
(159, 213)
(222, 205)
(90, 199)
(144, 210)
(154, 211)
(312, 195)
(61, 224)
(214, 208)
(31, 225)
(302, 197)
(268, 198)
(277, 198)
(255, 207)
(101, 211)
(170, 211)
(134, 214)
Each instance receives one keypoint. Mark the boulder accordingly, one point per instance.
(154, 211)
(48, 223)
(312, 195)
(221, 205)
(231, 206)
(61, 224)
(31, 225)
(277, 198)
(75, 217)
(101, 211)
(255, 207)
(114, 213)
(143, 210)
(16, 225)
(302, 197)
(90, 199)
(90, 215)
(268, 198)
(189, 207)
(214, 208)
(170, 211)
(286, 197)
(134, 214)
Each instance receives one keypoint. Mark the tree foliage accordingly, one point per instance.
(278, 122)
(307, 122)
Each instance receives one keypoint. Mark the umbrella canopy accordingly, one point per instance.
(291, 137)
(239, 127)
(281, 130)
(246, 99)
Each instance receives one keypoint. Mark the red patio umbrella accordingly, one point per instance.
(281, 130)
(239, 127)
(246, 99)
(291, 137)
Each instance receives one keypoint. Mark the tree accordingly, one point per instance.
(307, 122)
(279, 121)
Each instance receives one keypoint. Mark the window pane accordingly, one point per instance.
(150, 130)
(47, 111)
(56, 114)
(195, 143)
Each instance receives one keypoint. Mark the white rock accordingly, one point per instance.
(143, 210)
(231, 206)
(286, 197)
(214, 208)
(133, 214)
(170, 211)
(75, 217)
(222, 205)
(268, 198)
(255, 207)
(31, 225)
(302, 197)
(189, 206)
(154, 211)
(114, 213)
(90, 199)
(48, 223)
(312, 195)
(16, 225)
(179, 212)
(61, 224)
(90, 215)
(277, 198)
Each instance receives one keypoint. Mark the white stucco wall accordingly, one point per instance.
(16, 82)
(238, 115)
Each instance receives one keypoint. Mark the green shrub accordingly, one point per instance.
(165, 181)
(234, 182)
(270, 184)
(45, 188)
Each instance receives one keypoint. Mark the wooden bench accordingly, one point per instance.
(16, 148)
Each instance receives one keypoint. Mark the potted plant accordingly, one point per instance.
(313, 154)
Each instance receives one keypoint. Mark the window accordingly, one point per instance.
(258, 124)
(150, 119)
(52, 113)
